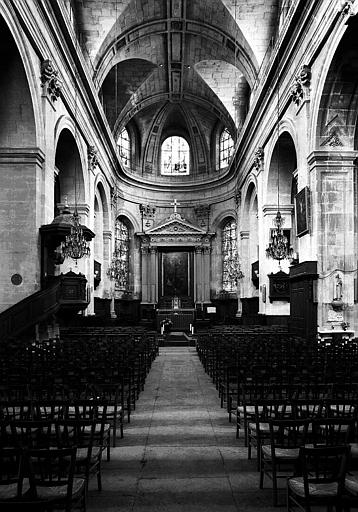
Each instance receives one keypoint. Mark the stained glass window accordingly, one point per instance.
(229, 253)
(124, 146)
(226, 148)
(175, 156)
(122, 254)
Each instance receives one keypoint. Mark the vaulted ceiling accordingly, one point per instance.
(201, 54)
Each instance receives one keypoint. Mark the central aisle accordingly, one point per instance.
(179, 453)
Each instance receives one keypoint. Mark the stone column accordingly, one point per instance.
(107, 256)
(198, 274)
(153, 275)
(206, 273)
(145, 290)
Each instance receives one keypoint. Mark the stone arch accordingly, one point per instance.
(281, 163)
(134, 221)
(336, 112)
(21, 124)
(70, 169)
(20, 165)
(102, 189)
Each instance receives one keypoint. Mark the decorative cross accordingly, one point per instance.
(175, 204)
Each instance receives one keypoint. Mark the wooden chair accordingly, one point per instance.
(11, 475)
(259, 427)
(52, 481)
(80, 433)
(278, 459)
(320, 479)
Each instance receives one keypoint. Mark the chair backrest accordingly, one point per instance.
(308, 408)
(16, 409)
(288, 433)
(270, 408)
(332, 431)
(32, 434)
(321, 465)
(11, 469)
(76, 432)
(49, 468)
(50, 410)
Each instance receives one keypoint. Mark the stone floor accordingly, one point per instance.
(179, 453)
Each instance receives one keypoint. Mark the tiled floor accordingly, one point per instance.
(179, 453)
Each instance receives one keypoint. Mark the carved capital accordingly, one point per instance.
(92, 157)
(259, 159)
(198, 249)
(49, 80)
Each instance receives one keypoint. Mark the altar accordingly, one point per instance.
(180, 318)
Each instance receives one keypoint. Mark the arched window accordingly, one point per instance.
(124, 146)
(229, 254)
(175, 156)
(226, 148)
(122, 254)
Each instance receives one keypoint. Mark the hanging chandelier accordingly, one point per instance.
(278, 248)
(75, 245)
(117, 271)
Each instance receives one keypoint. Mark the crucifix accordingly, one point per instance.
(175, 204)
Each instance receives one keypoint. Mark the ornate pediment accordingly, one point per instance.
(175, 225)
(176, 230)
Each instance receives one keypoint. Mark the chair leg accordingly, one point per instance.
(262, 463)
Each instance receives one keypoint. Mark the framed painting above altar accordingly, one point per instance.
(175, 273)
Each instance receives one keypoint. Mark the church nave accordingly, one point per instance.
(179, 452)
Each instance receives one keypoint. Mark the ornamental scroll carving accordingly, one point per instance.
(300, 89)
(92, 157)
(259, 159)
(49, 80)
(147, 212)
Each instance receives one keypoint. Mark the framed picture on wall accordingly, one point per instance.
(302, 211)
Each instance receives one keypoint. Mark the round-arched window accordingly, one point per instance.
(124, 147)
(122, 254)
(175, 153)
(226, 148)
(229, 255)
